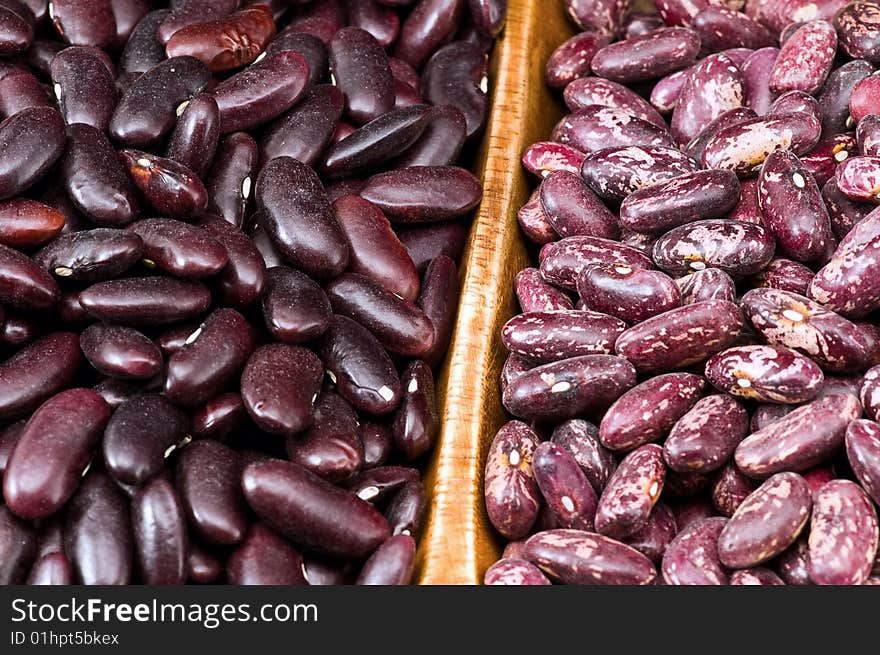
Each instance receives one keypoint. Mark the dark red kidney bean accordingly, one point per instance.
(834, 97)
(511, 493)
(646, 412)
(581, 440)
(682, 336)
(360, 70)
(416, 423)
(376, 252)
(424, 243)
(421, 194)
(767, 522)
(456, 76)
(684, 199)
(190, 12)
(18, 331)
(372, 17)
(587, 91)
(143, 50)
(96, 254)
(171, 188)
(792, 206)
(295, 308)
(571, 60)
(545, 157)
(799, 440)
(654, 537)
(18, 548)
(218, 417)
(304, 132)
(736, 247)
(431, 24)
(697, 145)
(596, 127)
(320, 571)
(805, 59)
(145, 301)
(379, 484)
(160, 536)
(36, 372)
(377, 442)
(31, 141)
(489, 15)
(331, 447)
(180, 249)
(578, 557)
(647, 57)
(120, 352)
(439, 302)
(210, 359)
(16, 31)
(804, 325)
(243, 278)
(376, 142)
(209, 483)
(225, 43)
(399, 325)
(721, 28)
(79, 24)
(8, 438)
(544, 337)
(230, 179)
(406, 511)
(572, 209)
(313, 512)
(843, 535)
(323, 19)
(68, 426)
(692, 557)
(21, 90)
(148, 109)
(264, 558)
(391, 564)
(95, 180)
(404, 73)
(566, 490)
(569, 388)
(704, 438)
(279, 386)
(708, 284)
(140, 434)
(202, 565)
(297, 215)
(765, 373)
(85, 89)
(615, 173)
(127, 14)
(194, 140)
(51, 569)
(785, 275)
(730, 488)
(536, 295)
(262, 91)
(713, 87)
(743, 147)
(562, 262)
(441, 141)
(26, 223)
(857, 31)
(359, 367)
(97, 533)
(311, 47)
(863, 454)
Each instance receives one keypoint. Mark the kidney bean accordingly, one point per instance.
(21, 90)
(360, 69)
(685, 485)
(391, 564)
(180, 249)
(379, 484)
(441, 142)
(869, 393)
(572, 209)
(147, 110)
(777, 15)
(143, 50)
(708, 284)
(218, 417)
(191, 12)
(868, 135)
(805, 58)
(331, 447)
(581, 440)
(586, 91)
(171, 188)
(681, 336)
(755, 576)
(736, 247)
(636, 23)
(630, 294)
(533, 221)
(426, 242)
(844, 212)
(647, 57)
(545, 157)
(304, 132)
(863, 454)
(160, 536)
(631, 492)
(578, 557)
(406, 511)
(37, 372)
(456, 76)
(8, 438)
(202, 565)
(841, 285)
(730, 488)
(791, 565)
(243, 279)
(120, 352)
(566, 490)
(822, 160)
(194, 140)
(800, 440)
(665, 93)
(68, 426)
(863, 100)
(692, 557)
(31, 141)
(514, 571)
(145, 301)
(311, 47)
(85, 89)
(439, 302)
(562, 262)
(18, 547)
(765, 373)
(735, 116)
(536, 295)
(833, 99)
(295, 308)
(704, 438)
(799, 323)
(95, 254)
(859, 178)
(571, 60)
(416, 424)
(97, 533)
(655, 535)
(545, 337)
(596, 127)
(756, 72)
(230, 179)
(26, 223)
(720, 28)
(857, 30)
(377, 442)
(264, 558)
(51, 569)
(431, 24)
(767, 413)
(84, 25)
(713, 87)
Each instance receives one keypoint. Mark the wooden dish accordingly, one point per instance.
(458, 543)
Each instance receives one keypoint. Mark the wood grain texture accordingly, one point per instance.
(458, 543)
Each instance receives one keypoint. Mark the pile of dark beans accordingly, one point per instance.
(691, 375)
(228, 235)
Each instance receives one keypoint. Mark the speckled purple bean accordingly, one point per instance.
(708, 284)
(511, 493)
(561, 262)
(834, 97)
(545, 157)
(704, 438)
(843, 211)
(587, 91)
(630, 294)
(785, 275)
(544, 337)
(654, 537)
(571, 60)
(755, 576)
(863, 453)
(858, 178)
(713, 87)
(581, 440)
(692, 557)
(799, 440)
(697, 145)
(665, 93)
(822, 161)
(614, 173)
(595, 127)
(721, 28)
(647, 57)
(805, 59)
(569, 495)
(631, 493)
(536, 295)
(533, 221)
(512, 571)
(730, 488)
(572, 209)
(765, 373)
(736, 247)
(681, 336)
(868, 135)
(858, 31)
